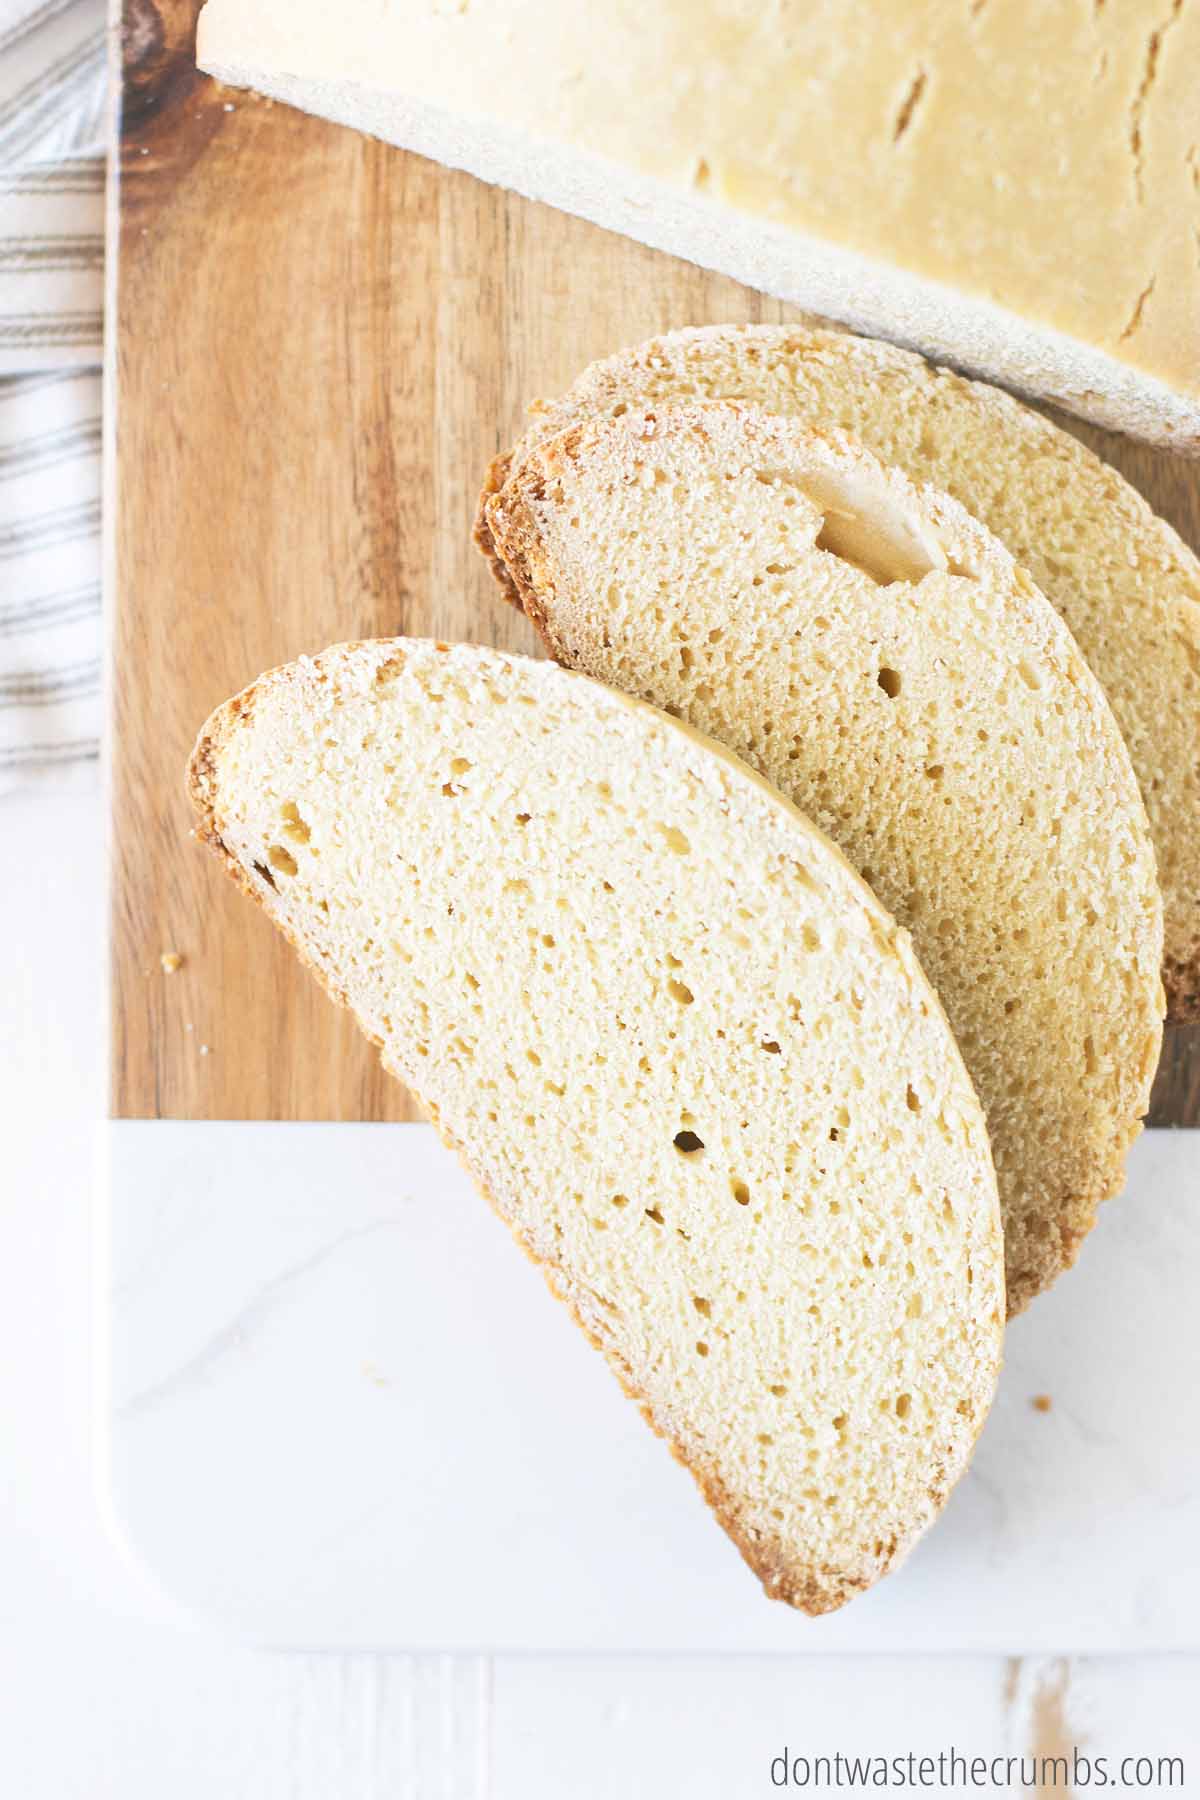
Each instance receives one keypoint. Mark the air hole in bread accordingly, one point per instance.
(863, 526)
(652, 1212)
(675, 840)
(914, 1104)
(740, 1192)
(282, 860)
(261, 870)
(889, 681)
(678, 990)
(903, 1404)
(802, 875)
(771, 1047)
(702, 1306)
(293, 825)
(687, 1143)
(701, 1349)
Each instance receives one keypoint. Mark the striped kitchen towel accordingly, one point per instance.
(49, 576)
(52, 122)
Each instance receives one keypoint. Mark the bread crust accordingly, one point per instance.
(623, 377)
(810, 1589)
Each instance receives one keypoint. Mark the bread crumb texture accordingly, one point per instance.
(688, 1056)
(877, 655)
(1124, 581)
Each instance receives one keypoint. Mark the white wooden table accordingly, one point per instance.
(105, 1694)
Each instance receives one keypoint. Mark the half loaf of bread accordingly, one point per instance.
(686, 1053)
(877, 655)
(1124, 581)
(1013, 188)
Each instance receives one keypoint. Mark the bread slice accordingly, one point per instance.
(685, 1052)
(1017, 193)
(1123, 580)
(866, 645)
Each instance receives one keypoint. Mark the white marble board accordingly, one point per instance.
(338, 1409)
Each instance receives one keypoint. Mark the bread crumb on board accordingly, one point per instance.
(171, 961)
(1041, 1403)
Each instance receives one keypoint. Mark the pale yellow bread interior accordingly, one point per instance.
(868, 647)
(689, 1057)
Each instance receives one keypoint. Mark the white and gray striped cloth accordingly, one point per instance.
(52, 124)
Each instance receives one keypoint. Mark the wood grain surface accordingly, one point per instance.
(317, 344)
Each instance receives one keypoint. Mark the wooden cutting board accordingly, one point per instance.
(316, 344)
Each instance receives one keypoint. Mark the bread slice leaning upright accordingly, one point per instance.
(685, 1052)
(1124, 581)
(876, 654)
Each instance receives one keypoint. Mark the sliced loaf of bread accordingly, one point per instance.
(868, 646)
(1124, 581)
(688, 1056)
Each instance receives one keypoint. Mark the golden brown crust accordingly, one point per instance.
(493, 480)
(1062, 1244)
(811, 1590)
(513, 531)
